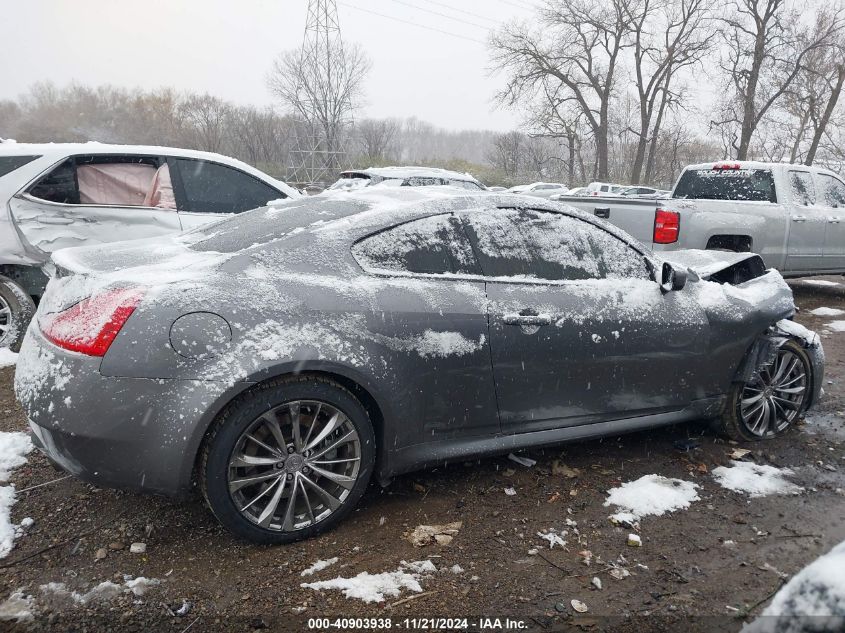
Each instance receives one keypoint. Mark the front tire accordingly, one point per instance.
(16, 310)
(772, 401)
(289, 460)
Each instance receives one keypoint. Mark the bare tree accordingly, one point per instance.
(577, 48)
(322, 93)
(377, 138)
(207, 117)
(767, 44)
(668, 35)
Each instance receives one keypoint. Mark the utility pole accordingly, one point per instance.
(322, 134)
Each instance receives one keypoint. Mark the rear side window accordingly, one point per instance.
(832, 191)
(213, 188)
(434, 245)
(756, 185)
(59, 185)
(803, 189)
(420, 181)
(550, 246)
(466, 184)
(8, 164)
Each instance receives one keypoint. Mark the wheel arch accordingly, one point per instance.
(370, 397)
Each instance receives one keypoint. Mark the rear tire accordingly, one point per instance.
(304, 436)
(16, 311)
(771, 402)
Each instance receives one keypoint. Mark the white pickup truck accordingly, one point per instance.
(793, 216)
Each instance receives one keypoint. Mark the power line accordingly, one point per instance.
(442, 15)
(470, 13)
(421, 26)
(525, 6)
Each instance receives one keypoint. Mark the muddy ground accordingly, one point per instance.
(684, 577)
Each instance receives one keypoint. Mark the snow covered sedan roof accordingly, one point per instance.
(410, 172)
(348, 216)
(58, 151)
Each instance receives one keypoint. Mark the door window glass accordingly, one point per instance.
(212, 188)
(550, 246)
(433, 245)
(803, 189)
(58, 186)
(832, 190)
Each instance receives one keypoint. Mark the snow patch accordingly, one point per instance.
(820, 282)
(16, 607)
(836, 326)
(755, 480)
(827, 311)
(375, 587)
(650, 495)
(13, 450)
(7, 357)
(319, 566)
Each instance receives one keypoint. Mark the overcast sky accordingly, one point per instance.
(226, 48)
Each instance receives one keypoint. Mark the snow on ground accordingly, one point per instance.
(16, 607)
(836, 326)
(319, 566)
(102, 592)
(755, 480)
(7, 357)
(650, 495)
(827, 312)
(820, 282)
(375, 587)
(13, 450)
(817, 591)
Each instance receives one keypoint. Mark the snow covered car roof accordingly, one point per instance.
(751, 164)
(358, 178)
(58, 151)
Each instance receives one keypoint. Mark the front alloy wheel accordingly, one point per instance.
(288, 460)
(773, 400)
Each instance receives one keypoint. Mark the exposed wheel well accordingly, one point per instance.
(735, 243)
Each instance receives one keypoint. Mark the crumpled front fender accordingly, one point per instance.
(765, 348)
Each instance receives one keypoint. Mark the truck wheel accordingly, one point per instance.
(772, 401)
(16, 310)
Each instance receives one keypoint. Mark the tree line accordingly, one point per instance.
(618, 81)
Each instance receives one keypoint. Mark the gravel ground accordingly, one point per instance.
(706, 568)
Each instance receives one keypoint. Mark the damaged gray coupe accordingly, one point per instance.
(280, 359)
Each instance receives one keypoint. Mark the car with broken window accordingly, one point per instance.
(280, 361)
(57, 195)
(353, 179)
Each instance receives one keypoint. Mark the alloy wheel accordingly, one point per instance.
(5, 318)
(294, 465)
(773, 401)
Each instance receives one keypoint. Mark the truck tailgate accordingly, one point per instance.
(634, 216)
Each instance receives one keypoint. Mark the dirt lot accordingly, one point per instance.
(684, 577)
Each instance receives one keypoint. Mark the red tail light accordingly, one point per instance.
(667, 225)
(90, 326)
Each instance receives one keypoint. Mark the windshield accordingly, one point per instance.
(8, 164)
(727, 184)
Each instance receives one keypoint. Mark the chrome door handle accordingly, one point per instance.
(799, 218)
(527, 317)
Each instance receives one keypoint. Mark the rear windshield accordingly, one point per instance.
(8, 164)
(348, 182)
(727, 184)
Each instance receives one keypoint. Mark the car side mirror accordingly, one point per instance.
(672, 278)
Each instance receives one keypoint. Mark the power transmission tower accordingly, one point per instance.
(322, 133)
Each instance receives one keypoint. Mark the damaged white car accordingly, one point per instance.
(58, 195)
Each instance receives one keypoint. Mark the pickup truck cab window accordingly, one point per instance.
(756, 185)
(832, 190)
(803, 188)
